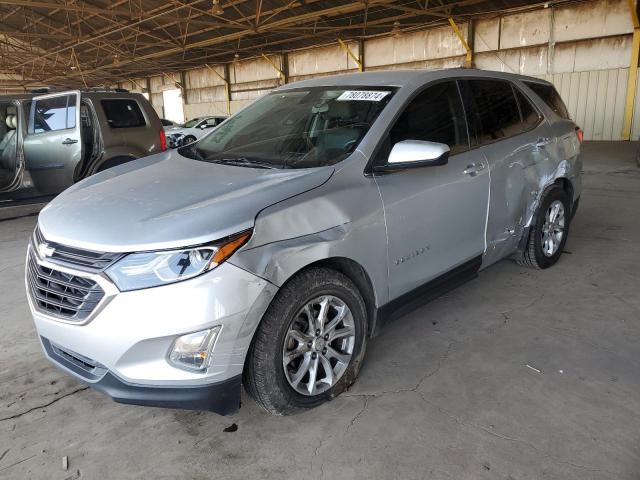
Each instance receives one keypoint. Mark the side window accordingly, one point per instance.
(55, 113)
(551, 97)
(212, 122)
(530, 116)
(123, 113)
(435, 115)
(493, 110)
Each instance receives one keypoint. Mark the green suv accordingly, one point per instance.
(50, 141)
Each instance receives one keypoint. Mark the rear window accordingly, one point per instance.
(495, 114)
(123, 113)
(551, 97)
(530, 116)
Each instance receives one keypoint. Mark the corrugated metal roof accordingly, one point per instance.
(102, 42)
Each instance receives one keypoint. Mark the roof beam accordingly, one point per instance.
(69, 7)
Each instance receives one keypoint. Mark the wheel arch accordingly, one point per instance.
(561, 181)
(360, 278)
(113, 162)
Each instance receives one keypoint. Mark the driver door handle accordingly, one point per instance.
(69, 141)
(473, 169)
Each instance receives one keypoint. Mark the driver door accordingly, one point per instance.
(435, 215)
(53, 145)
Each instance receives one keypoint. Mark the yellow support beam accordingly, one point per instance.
(276, 68)
(633, 73)
(226, 85)
(346, 48)
(469, 59)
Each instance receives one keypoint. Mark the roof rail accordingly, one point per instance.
(89, 89)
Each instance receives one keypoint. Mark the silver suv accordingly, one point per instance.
(268, 252)
(50, 141)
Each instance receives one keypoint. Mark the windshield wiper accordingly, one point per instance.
(242, 162)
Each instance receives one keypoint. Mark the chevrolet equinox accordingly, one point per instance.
(269, 251)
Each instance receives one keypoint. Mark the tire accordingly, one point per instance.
(285, 323)
(539, 254)
(188, 139)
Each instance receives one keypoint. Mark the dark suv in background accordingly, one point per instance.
(50, 141)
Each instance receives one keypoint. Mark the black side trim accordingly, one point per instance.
(222, 397)
(427, 292)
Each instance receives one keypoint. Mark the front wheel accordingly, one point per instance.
(549, 230)
(188, 139)
(310, 343)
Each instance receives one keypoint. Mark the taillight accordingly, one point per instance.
(163, 140)
(579, 134)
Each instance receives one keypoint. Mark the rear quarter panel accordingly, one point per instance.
(562, 159)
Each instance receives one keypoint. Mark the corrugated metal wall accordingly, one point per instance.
(584, 48)
(595, 100)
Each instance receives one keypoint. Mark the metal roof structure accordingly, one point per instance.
(80, 43)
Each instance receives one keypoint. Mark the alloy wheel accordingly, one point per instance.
(553, 228)
(318, 345)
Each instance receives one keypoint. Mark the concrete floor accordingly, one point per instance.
(445, 393)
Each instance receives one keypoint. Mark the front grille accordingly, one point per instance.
(85, 259)
(61, 294)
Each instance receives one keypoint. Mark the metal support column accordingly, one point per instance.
(281, 74)
(633, 73)
(346, 48)
(225, 79)
(469, 58)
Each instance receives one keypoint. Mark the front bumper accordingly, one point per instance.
(123, 347)
(220, 397)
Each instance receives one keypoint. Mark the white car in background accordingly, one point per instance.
(191, 131)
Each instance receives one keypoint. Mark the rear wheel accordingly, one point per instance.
(548, 233)
(310, 343)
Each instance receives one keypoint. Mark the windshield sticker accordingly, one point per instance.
(362, 96)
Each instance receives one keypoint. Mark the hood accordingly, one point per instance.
(168, 201)
(176, 129)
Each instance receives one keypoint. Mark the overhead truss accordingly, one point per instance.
(97, 42)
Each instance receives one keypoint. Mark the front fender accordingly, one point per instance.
(341, 219)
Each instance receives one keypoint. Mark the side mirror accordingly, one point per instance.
(203, 126)
(415, 153)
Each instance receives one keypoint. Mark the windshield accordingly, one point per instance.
(191, 123)
(299, 128)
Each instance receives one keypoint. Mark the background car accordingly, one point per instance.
(48, 142)
(191, 131)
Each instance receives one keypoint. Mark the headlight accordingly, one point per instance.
(151, 269)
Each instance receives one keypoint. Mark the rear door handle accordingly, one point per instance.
(69, 141)
(543, 142)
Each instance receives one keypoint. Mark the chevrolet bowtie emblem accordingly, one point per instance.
(45, 250)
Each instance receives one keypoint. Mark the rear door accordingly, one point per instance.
(435, 215)
(53, 146)
(513, 137)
